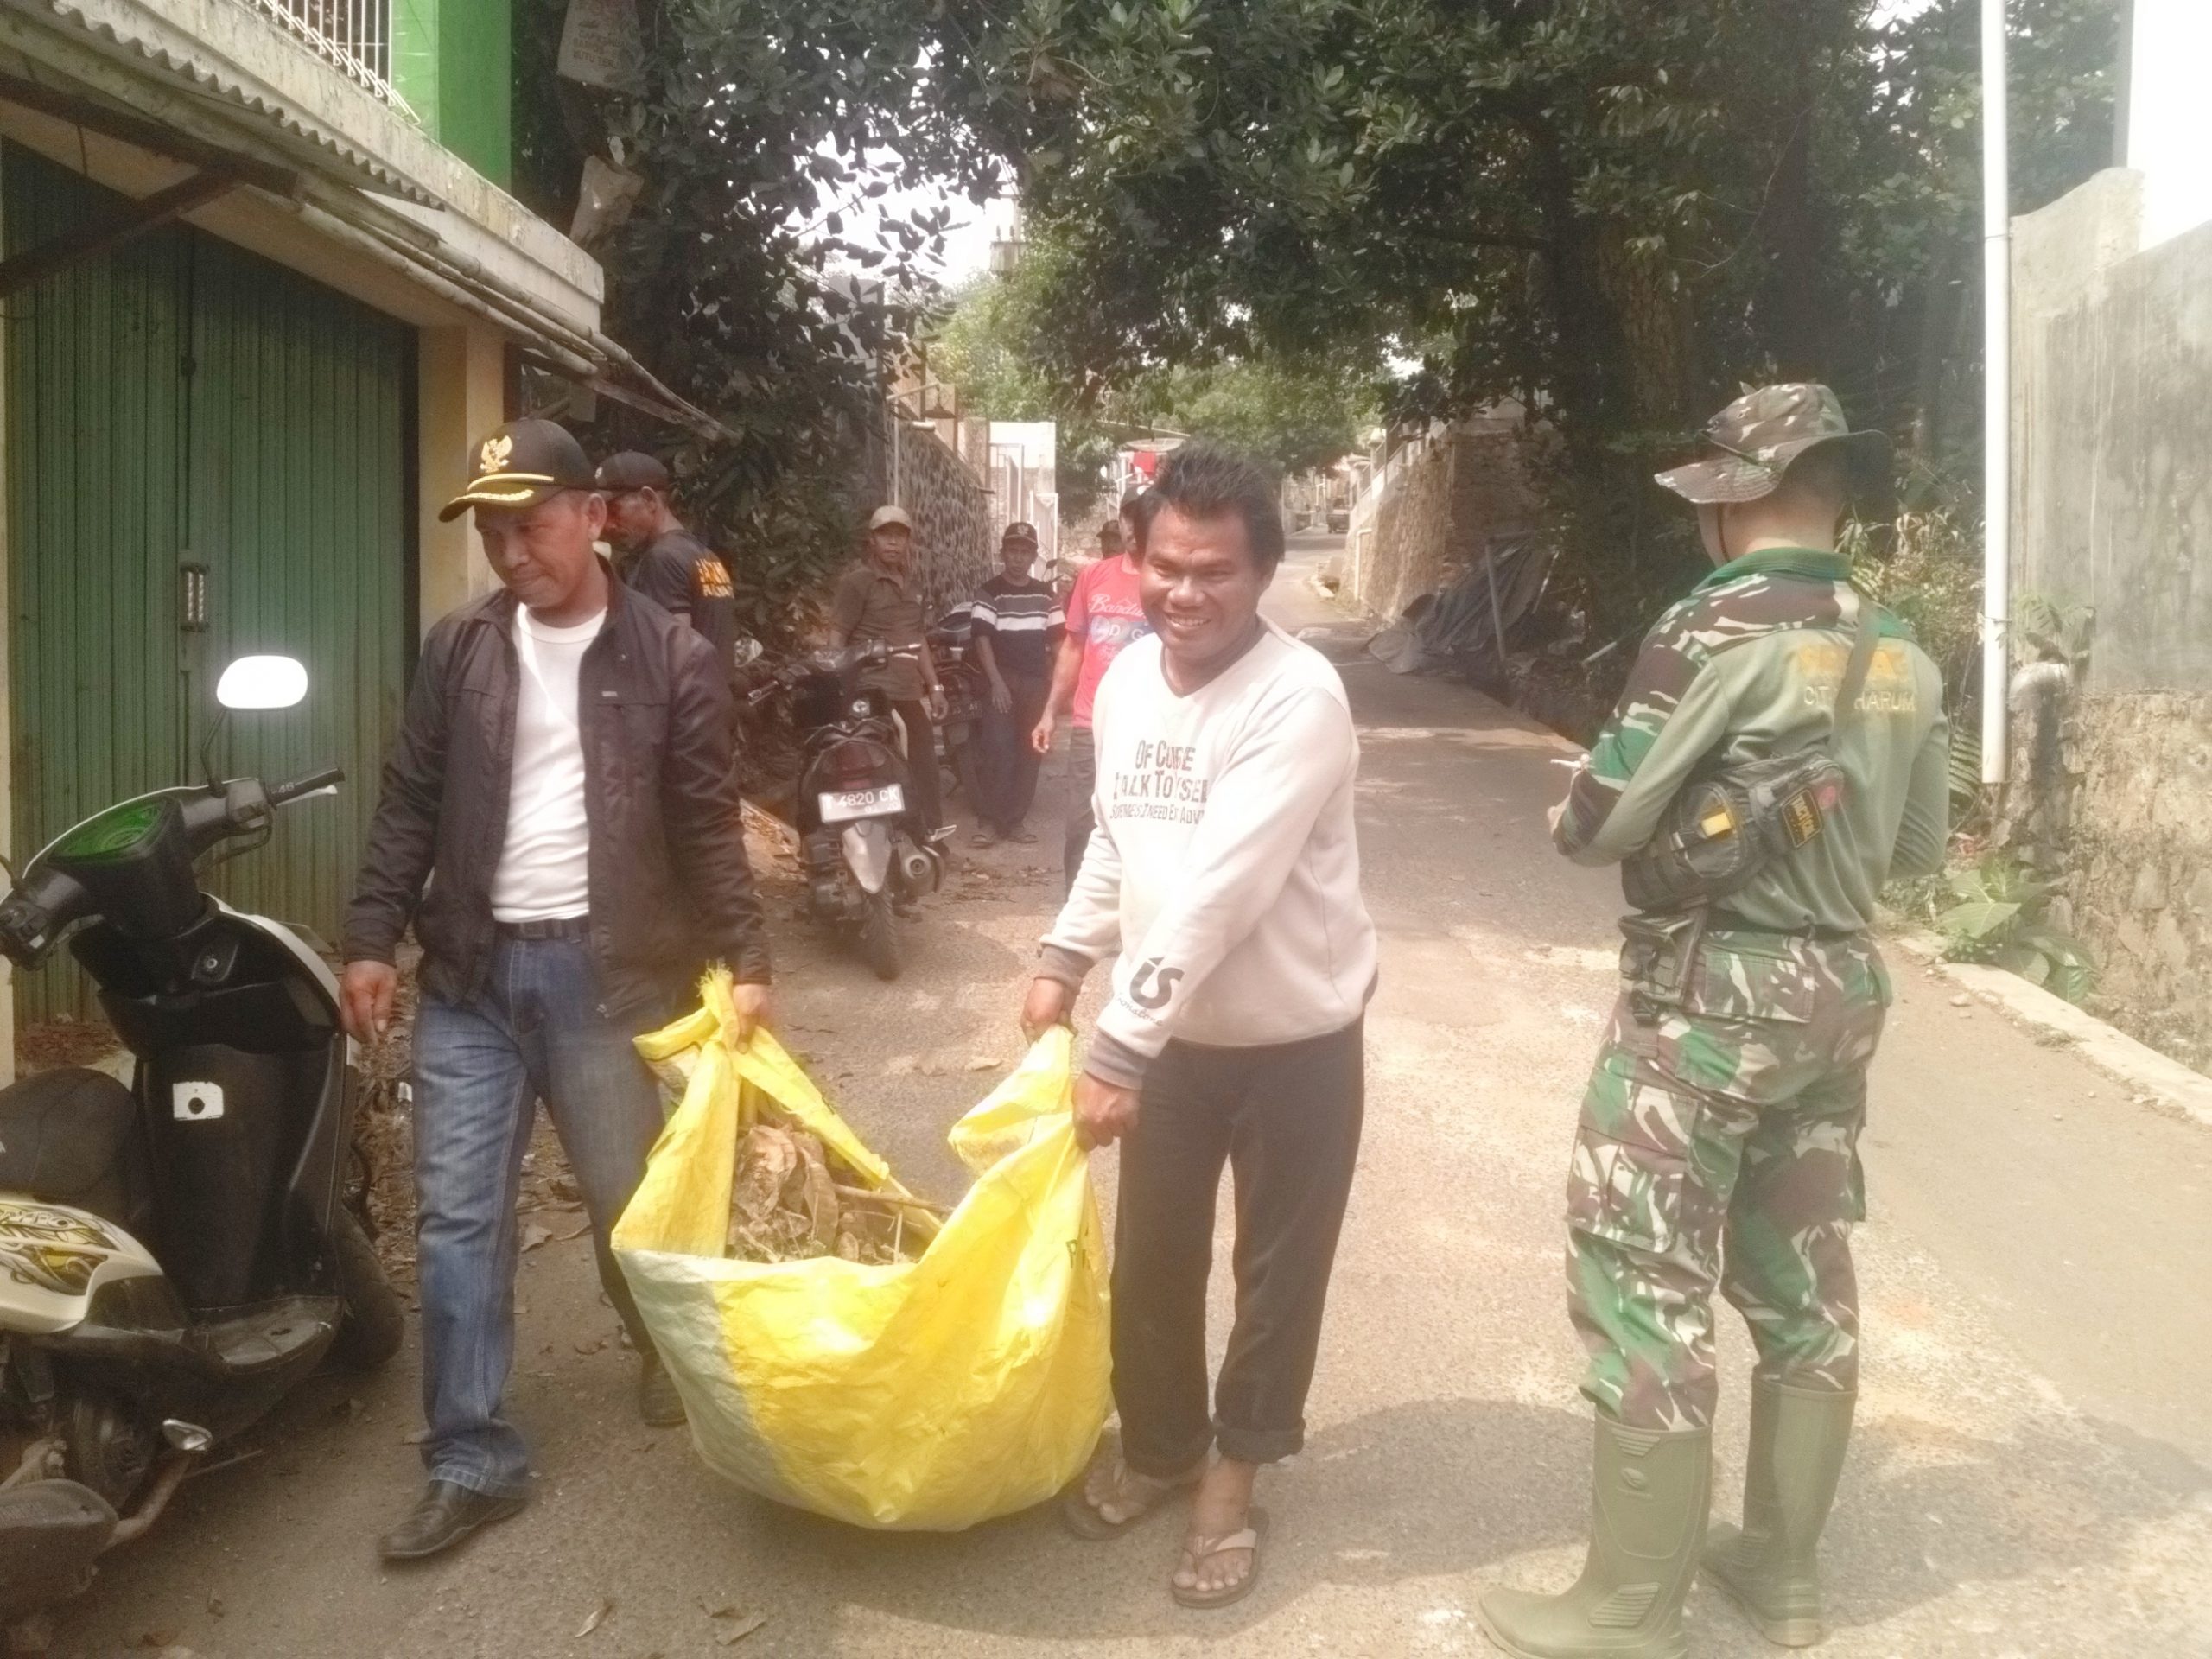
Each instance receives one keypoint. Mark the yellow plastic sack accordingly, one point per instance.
(928, 1395)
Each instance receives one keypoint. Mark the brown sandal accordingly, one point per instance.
(1198, 1550)
(1083, 1517)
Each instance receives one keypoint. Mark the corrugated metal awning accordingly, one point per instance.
(189, 61)
(234, 91)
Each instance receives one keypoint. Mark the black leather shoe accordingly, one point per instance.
(658, 1403)
(445, 1515)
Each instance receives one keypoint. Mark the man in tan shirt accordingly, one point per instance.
(876, 600)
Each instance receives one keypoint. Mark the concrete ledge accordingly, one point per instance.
(2155, 1079)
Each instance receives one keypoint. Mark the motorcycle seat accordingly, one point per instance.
(71, 1136)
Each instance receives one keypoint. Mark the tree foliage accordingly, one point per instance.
(998, 340)
(759, 273)
(1612, 211)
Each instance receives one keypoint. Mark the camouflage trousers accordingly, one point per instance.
(1719, 1147)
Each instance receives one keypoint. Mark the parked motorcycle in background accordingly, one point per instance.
(967, 695)
(864, 853)
(175, 1256)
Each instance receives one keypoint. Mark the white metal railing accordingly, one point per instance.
(352, 36)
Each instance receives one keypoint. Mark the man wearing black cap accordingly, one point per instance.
(1018, 623)
(661, 559)
(1718, 1142)
(565, 772)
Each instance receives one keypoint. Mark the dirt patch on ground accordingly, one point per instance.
(551, 1205)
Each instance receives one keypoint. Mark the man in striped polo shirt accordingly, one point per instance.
(1018, 623)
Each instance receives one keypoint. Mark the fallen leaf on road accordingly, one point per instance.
(983, 1063)
(214, 1604)
(591, 1344)
(730, 1635)
(576, 1231)
(598, 1616)
(534, 1236)
(416, 1438)
(158, 1639)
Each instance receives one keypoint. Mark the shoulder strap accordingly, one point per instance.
(1866, 635)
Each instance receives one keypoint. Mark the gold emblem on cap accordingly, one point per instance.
(493, 456)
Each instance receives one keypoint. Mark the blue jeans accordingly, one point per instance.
(536, 1034)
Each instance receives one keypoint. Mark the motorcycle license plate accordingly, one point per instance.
(842, 806)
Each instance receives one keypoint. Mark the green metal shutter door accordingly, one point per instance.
(183, 400)
(300, 406)
(95, 428)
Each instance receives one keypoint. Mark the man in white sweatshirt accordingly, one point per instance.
(1224, 871)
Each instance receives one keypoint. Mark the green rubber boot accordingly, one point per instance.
(1648, 1520)
(1772, 1566)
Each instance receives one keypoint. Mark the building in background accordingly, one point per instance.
(1024, 479)
(2168, 126)
(260, 284)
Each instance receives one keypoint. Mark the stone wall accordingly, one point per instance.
(2121, 810)
(1399, 544)
(909, 465)
(2111, 420)
(1433, 510)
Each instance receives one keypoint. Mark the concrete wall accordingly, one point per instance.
(1432, 511)
(460, 393)
(2112, 429)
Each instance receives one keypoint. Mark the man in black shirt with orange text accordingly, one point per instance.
(663, 560)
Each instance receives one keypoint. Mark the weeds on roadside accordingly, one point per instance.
(1995, 910)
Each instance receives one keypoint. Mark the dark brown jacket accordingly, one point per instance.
(671, 888)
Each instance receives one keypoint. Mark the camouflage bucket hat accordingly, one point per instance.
(1761, 432)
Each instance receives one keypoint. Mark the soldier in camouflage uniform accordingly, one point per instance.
(1718, 1146)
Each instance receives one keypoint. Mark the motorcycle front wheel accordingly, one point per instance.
(880, 941)
(374, 1323)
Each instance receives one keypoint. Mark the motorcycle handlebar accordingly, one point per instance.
(284, 794)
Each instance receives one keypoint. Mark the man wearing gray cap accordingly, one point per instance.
(876, 600)
(1781, 751)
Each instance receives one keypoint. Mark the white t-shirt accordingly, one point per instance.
(545, 868)
(1225, 868)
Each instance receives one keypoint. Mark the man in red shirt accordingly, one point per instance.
(1105, 614)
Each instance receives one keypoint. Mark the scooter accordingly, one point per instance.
(864, 853)
(967, 695)
(175, 1256)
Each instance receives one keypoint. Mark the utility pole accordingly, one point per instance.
(1997, 399)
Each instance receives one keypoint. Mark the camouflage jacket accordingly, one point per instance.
(1746, 666)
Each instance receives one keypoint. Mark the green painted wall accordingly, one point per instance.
(476, 85)
(415, 58)
(452, 61)
(182, 400)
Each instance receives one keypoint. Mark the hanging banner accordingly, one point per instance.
(602, 46)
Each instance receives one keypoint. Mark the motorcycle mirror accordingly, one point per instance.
(263, 682)
(747, 650)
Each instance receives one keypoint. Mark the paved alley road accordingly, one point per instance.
(2033, 1475)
